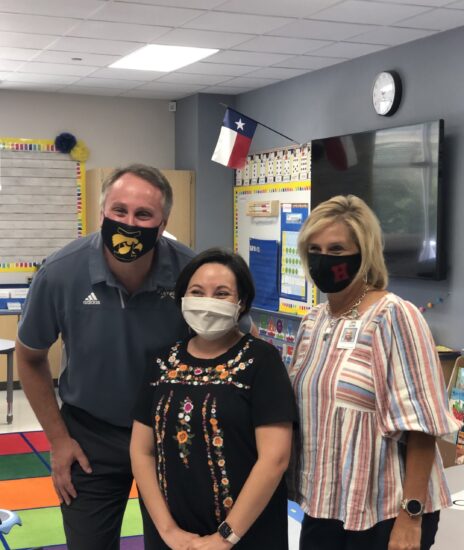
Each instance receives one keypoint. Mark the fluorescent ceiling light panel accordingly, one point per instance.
(157, 57)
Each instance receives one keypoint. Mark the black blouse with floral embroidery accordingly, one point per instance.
(204, 413)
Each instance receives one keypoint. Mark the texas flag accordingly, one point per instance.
(234, 140)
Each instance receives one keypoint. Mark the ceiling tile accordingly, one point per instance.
(226, 90)
(220, 69)
(261, 41)
(145, 14)
(430, 3)
(17, 40)
(17, 54)
(56, 8)
(184, 78)
(92, 45)
(439, 19)
(56, 68)
(117, 31)
(349, 50)
(95, 60)
(279, 44)
(127, 74)
(42, 78)
(110, 92)
(309, 62)
(277, 73)
(198, 4)
(153, 94)
(235, 22)
(202, 39)
(29, 86)
(249, 82)
(246, 58)
(391, 36)
(321, 30)
(172, 91)
(7, 65)
(371, 13)
(13, 22)
(295, 8)
(108, 83)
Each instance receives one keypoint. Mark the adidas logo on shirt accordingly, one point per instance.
(91, 300)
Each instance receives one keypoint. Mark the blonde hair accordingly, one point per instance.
(365, 231)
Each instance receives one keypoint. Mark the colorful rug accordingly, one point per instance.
(26, 488)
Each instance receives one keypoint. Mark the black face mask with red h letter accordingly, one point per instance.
(333, 273)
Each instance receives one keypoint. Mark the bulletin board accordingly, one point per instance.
(42, 202)
(247, 227)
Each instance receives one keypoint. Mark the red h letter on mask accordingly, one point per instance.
(340, 272)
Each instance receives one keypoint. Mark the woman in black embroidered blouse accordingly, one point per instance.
(212, 429)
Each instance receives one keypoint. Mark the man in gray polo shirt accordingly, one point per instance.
(109, 295)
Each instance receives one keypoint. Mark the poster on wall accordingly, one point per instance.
(264, 265)
(293, 285)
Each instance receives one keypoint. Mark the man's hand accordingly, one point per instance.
(64, 452)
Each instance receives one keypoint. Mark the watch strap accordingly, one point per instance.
(227, 533)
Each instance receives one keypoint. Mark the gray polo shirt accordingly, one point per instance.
(108, 334)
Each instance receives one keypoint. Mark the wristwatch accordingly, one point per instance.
(413, 507)
(227, 533)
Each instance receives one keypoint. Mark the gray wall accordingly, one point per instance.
(198, 121)
(335, 101)
(117, 131)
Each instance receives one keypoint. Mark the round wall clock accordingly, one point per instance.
(386, 93)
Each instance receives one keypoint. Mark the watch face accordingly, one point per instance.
(414, 507)
(224, 530)
(386, 93)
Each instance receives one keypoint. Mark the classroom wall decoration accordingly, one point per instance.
(42, 198)
(272, 199)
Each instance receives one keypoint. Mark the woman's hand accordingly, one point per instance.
(406, 533)
(178, 539)
(210, 542)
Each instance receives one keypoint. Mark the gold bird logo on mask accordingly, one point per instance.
(125, 243)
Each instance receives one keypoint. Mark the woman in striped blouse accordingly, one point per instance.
(371, 396)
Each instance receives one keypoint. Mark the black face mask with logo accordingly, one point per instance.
(128, 242)
(333, 273)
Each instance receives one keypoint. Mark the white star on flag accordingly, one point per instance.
(240, 124)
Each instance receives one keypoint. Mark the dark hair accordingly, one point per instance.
(238, 266)
(148, 173)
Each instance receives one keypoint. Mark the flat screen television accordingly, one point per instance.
(398, 172)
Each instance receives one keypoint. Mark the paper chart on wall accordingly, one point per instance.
(299, 298)
(42, 203)
(293, 284)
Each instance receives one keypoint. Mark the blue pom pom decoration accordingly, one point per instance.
(65, 142)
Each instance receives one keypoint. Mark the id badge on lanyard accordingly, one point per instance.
(349, 334)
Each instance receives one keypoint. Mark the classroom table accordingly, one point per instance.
(7, 348)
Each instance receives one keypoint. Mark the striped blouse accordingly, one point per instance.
(355, 406)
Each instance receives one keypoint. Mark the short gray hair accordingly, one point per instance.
(148, 173)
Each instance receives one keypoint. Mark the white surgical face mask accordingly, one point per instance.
(210, 318)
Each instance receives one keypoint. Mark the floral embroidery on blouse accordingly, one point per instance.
(161, 413)
(176, 372)
(184, 433)
(214, 440)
